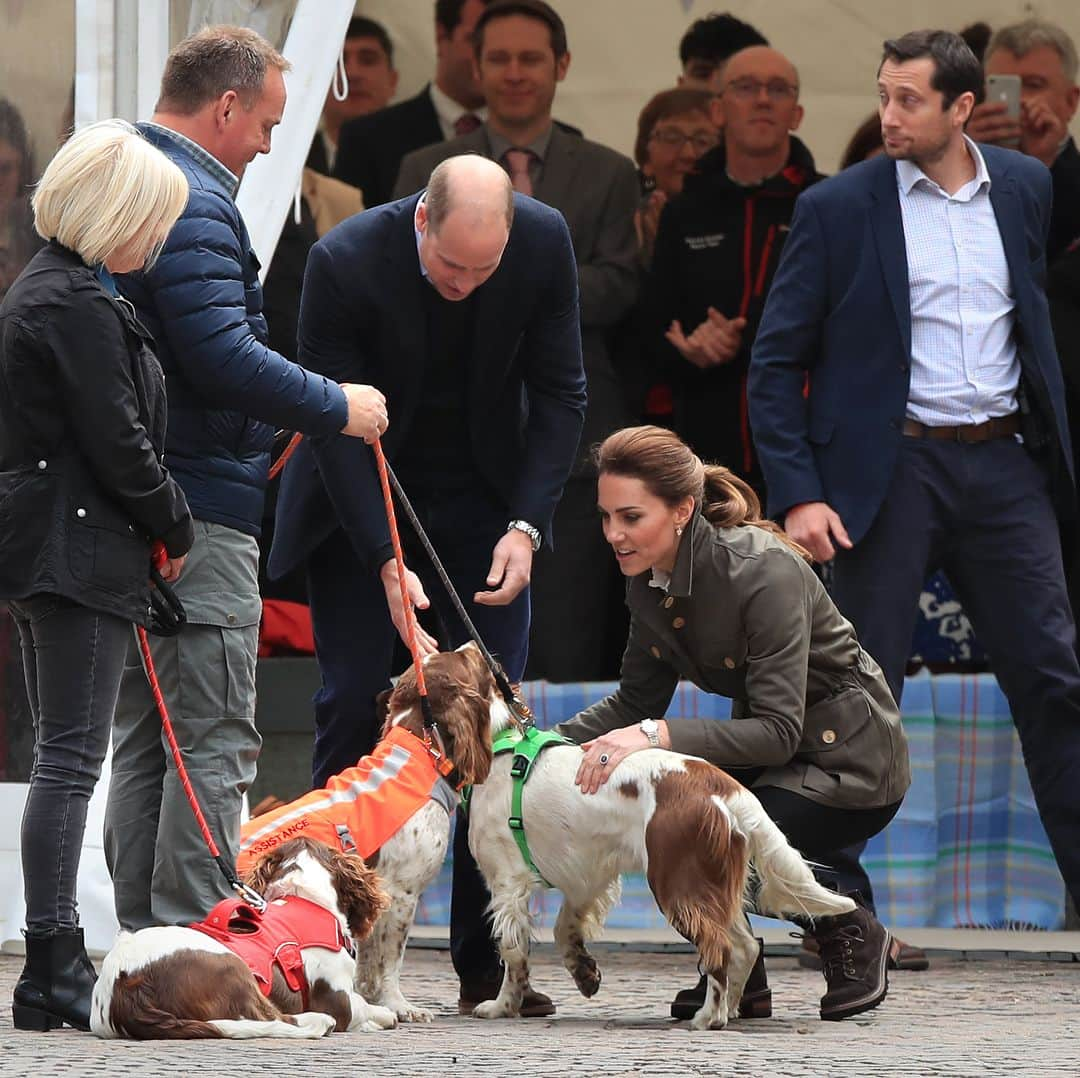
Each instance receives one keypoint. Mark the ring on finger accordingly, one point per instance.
(604, 759)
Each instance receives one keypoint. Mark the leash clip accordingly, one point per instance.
(250, 896)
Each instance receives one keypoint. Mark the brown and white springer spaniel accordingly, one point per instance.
(690, 827)
(182, 984)
(463, 696)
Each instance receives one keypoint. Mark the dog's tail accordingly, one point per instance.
(787, 886)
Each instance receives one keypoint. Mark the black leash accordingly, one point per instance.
(513, 699)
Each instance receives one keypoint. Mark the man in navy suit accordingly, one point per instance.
(908, 407)
(461, 305)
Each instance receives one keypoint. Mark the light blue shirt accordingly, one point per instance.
(964, 364)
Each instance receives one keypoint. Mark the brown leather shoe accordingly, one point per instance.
(904, 956)
(533, 1004)
(854, 958)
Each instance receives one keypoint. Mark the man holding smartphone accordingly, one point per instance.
(1043, 58)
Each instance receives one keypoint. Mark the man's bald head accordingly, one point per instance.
(464, 223)
(473, 186)
(760, 62)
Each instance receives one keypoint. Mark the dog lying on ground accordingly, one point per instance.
(295, 978)
(394, 807)
(690, 827)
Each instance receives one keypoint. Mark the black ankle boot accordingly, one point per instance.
(854, 956)
(57, 981)
(756, 999)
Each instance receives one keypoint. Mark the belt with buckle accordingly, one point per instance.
(1004, 426)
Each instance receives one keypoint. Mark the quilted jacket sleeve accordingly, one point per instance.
(202, 300)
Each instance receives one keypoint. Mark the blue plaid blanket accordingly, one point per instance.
(967, 848)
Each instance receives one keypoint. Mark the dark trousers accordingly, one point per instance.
(579, 616)
(983, 514)
(818, 831)
(354, 641)
(73, 658)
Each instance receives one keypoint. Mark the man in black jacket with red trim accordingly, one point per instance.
(717, 248)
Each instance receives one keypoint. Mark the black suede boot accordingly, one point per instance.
(854, 958)
(756, 999)
(57, 981)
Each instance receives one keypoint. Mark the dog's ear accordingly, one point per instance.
(266, 868)
(464, 713)
(382, 709)
(360, 894)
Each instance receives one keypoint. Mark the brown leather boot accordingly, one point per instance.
(854, 958)
(756, 999)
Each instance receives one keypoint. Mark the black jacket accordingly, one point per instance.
(718, 245)
(1065, 211)
(82, 431)
(370, 148)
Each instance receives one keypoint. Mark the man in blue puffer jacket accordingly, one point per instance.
(222, 93)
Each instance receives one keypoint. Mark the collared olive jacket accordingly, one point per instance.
(744, 616)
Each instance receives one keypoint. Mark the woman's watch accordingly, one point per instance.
(528, 529)
(651, 729)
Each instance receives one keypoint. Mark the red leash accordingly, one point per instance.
(159, 557)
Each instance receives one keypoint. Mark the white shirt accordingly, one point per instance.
(964, 364)
(449, 111)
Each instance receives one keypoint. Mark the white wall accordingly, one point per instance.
(623, 51)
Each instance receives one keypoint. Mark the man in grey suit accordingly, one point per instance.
(521, 56)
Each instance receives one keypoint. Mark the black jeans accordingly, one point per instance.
(820, 832)
(73, 658)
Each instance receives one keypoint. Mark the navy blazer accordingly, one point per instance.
(361, 321)
(839, 313)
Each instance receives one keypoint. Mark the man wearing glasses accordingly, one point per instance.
(717, 249)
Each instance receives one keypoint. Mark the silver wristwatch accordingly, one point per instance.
(651, 729)
(528, 529)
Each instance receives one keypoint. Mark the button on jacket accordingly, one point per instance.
(809, 705)
(82, 431)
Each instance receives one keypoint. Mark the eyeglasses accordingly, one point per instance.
(675, 139)
(747, 89)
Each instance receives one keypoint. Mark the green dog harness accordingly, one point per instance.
(526, 747)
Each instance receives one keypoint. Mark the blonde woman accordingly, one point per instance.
(83, 494)
(724, 599)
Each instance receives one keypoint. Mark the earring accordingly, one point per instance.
(678, 529)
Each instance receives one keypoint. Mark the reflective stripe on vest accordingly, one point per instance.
(358, 809)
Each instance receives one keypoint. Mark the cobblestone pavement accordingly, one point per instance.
(960, 1018)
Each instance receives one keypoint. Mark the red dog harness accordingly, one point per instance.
(358, 809)
(275, 938)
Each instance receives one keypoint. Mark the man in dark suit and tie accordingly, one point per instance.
(522, 55)
(908, 407)
(370, 148)
(462, 307)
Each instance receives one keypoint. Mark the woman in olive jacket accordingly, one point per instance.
(82, 495)
(725, 600)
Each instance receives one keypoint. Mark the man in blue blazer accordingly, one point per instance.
(461, 305)
(908, 408)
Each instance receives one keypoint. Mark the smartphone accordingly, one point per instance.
(1005, 88)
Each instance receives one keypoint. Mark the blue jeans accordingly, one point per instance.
(73, 658)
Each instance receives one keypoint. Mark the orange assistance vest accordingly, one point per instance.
(359, 808)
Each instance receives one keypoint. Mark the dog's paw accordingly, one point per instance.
(408, 1012)
(315, 1023)
(376, 1018)
(492, 1008)
(586, 974)
(707, 1018)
